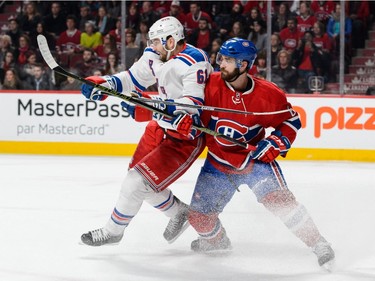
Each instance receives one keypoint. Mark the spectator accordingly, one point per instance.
(175, 11)
(30, 19)
(142, 36)
(280, 18)
(333, 31)
(85, 66)
(216, 44)
(90, 38)
(258, 36)
(359, 12)
(7, 63)
(114, 8)
(236, 31)
(14, 31)
(259, 69)
(132, 20)
(116, 33)
(26, 70)
(284, 75)
(246, 6)
(262, 8)
(132, 50)
(11, 80)
(39, 80)
(203, 36)
(108, 46)
(112, 64)
(5, 46)
(103, 21)
(308, 61)
(255, 16)
(323, 42)
(276, 47)
(40, 29)
(305, 20)
(215, 65)
(97, 72)
(69, 40)
(70, 84)
(55, 21)
(84, 16)
(148, 14)
(193, 17)
(24, 47)
(322, 10)
(290, 35)
(160, 7)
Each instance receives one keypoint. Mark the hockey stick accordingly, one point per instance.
(48, 58)
(212, 108)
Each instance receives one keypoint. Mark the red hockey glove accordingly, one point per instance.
(268, 149)
(183, 123)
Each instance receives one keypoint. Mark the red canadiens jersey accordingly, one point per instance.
(264, 96)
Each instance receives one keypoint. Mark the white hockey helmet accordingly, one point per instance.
(165, 27)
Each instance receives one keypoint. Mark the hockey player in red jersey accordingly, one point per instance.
(180, 71)
(227, 166)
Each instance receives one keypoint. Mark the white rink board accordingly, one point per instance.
(329, 122)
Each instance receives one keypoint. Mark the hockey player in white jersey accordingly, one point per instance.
(163, 154)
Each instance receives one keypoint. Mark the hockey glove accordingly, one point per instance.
(138, 113)
(268, 149)
(183, 123)
(92, 93)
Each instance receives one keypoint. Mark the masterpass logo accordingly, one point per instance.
(67, 109)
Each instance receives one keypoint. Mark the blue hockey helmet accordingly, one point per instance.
(240, 49)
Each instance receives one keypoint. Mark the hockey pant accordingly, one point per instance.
(158, 161)
(214, 189)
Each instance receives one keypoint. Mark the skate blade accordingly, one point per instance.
(106, 245)
(219, 253)
(185, 226)
(329, 266)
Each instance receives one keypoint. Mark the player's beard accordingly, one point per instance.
(229, 76)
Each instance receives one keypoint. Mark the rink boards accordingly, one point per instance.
(333, 127)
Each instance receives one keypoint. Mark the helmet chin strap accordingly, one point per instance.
(169, 52)
(237, 75)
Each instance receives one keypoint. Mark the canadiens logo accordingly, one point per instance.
(237, 98)
(231, 129)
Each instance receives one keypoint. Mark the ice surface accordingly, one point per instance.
(47, 202)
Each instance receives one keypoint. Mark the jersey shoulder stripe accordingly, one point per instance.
(192, 55)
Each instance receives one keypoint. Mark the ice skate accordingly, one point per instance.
(178, 224)
(99, 237)
(210, 245)
(325, 254)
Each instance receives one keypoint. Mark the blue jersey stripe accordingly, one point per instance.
(135, 82)
(184, 60)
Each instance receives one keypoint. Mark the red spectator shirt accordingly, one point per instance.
(289, 39)
(305, 24)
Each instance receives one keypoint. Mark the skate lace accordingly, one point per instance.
(99, 235)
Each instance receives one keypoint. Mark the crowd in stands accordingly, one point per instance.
(85, 37)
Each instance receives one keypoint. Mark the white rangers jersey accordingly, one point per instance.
(182, 78)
